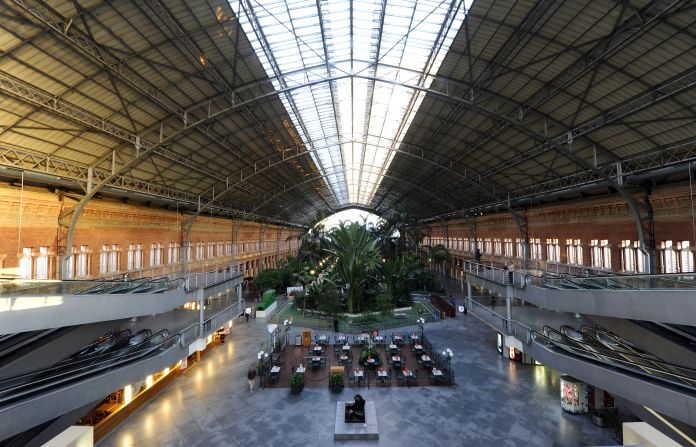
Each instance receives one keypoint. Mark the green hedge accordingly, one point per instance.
(269, 298)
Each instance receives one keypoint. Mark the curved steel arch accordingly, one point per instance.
(265, 202)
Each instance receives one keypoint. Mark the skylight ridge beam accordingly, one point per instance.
(263, 41)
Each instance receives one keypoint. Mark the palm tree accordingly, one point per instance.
(439, 254)
(399, 232)
(355, 254)
(313, 244)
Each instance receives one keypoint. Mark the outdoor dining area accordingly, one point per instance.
(368, 359)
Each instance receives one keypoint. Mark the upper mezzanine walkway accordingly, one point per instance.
(36, 305)
(664, 298)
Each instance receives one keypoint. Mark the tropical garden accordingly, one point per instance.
(357, 267)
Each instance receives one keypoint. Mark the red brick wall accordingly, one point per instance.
(109, 222)
(598, 218)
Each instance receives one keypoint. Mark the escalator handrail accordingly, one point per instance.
(71, 367)
(592, 357)
(88, 360)
(611, 353)
(15, 393)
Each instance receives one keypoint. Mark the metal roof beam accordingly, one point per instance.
(621, 36)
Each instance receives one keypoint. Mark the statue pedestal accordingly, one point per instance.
(355, 430)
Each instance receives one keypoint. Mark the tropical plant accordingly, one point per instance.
(296, 381)
(268, 279)
(355, 255)
(336, 379)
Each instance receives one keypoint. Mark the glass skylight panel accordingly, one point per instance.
(372, 53)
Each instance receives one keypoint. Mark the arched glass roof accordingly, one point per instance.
(370, 48)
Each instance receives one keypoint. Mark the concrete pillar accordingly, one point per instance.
(239, 292)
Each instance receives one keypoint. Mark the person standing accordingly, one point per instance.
(247, 312)
(251, 377)
(335, 324)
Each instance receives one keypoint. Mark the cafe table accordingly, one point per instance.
(437, 374)
(410, 377)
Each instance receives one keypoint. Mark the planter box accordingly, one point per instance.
(268, 311)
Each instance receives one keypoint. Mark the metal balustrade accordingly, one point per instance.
(500, 323)
(210, 278)
(496, 274)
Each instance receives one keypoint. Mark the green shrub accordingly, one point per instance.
(296, 380)
(335, 379)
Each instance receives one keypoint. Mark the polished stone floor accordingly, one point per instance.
(494, 403)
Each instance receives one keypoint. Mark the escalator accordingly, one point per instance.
(620, 368)
(14, 345)
(97, 369)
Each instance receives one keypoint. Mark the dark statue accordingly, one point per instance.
(355, 412)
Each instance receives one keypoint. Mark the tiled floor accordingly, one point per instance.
(495, 403)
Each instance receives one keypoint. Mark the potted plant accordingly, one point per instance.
(370, 353)
(296, 382)
(336, 382)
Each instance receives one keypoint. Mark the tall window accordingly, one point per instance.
(211, 250)
(130, 257)
(574, 251)
(155, 254)
(228, 248)
(69, 272)
(199, 251)
(138, 262)
(553, 250)
(466, 245)
(25, 264)
(42, 263)
(174, 252)
(632, 259)
(509, 248)
(535, 247)
(488, 246)
(686, 257)
(220, 250)
(497, 247)
(606, 254)
(104, 259)
(520, 247)
(669, 257)
(82, 267)
(113, 258)
(189, 252)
